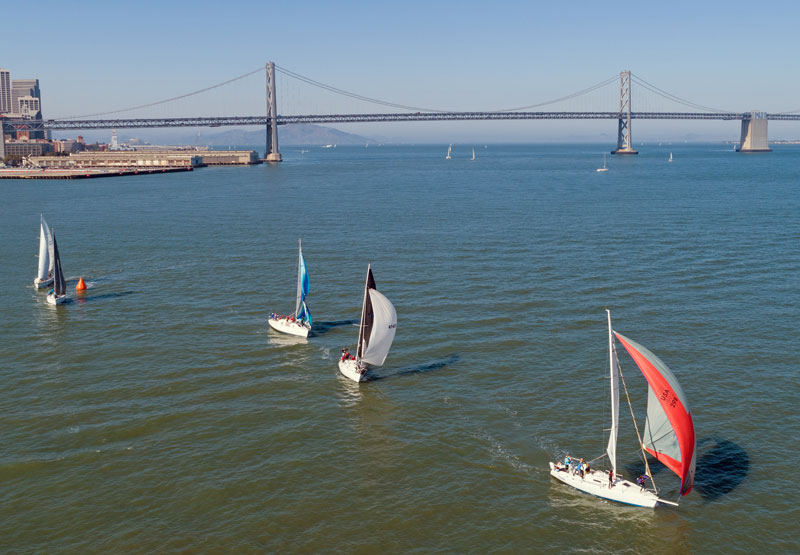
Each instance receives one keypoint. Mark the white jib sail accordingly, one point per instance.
(299, 277)
(384, 326)
(614, 374)
(45, 261)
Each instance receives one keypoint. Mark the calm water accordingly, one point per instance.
(158, 413)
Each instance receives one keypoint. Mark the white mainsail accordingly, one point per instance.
(45, 246)
(614, 375)
(299, 277)
(384, 326)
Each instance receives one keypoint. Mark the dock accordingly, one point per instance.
(82, 173)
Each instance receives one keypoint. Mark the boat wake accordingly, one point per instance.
(415, 369)
(87, 298)
(321, 328)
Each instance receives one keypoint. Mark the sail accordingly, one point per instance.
(304, 314)
(367, 316)
(303, 283)
(45, 263)
(614, 370)
(384, 326)
(669, 430)
(59, 285)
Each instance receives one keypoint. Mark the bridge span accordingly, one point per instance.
(753, 133)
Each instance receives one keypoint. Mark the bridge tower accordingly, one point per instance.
(273, 154)
(624, 144)
(754, 134)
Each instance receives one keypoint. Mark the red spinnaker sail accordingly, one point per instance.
(669, 434)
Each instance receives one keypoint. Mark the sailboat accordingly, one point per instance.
(670, 157)
(44, 277)
(375, 333)
(668, 433)
(300, 322)
(473, 154)
(449, 150)
(604, 168)
(58, 294)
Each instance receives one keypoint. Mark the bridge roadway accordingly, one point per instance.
(366, 118)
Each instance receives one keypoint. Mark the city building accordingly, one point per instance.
(21, 88)
(5, 91)
(29, 107)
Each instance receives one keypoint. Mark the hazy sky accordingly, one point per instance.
(97, 56)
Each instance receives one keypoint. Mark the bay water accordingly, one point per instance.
(158, 413)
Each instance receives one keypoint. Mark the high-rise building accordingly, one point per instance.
(21, 88)
(29, 107)
(5, 91)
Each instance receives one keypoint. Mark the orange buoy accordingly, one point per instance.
(81, 285)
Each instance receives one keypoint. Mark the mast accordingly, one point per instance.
(299, 277)
(363, 323)
(612, 363)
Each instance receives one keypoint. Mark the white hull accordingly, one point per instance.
(349, 370)
(596, 483)
(292, 328)
(602, 169)
(42, 284)
(52, 299)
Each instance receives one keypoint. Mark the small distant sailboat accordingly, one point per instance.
(44, 277)
(449, 150)
(327, 146)
(473, 154)
(57, 295)
(375, 333)
(670, 157)
(668, 433)
(299, 323)
(604, 168)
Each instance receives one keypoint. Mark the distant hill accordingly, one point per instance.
(296, 134)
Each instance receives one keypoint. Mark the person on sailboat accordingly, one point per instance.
(641, 480)
(610, 479)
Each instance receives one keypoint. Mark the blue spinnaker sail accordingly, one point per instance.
(304, 313)
(305, 282)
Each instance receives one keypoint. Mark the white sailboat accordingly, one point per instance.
(58, 294)
(473, 154)
(44, 277)
(300, 322)
(449, 150)
(604, 168)
(375, 333)
(670, 157)
(668, 434)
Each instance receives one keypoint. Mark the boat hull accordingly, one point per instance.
(53, 300)
(42, 284)
(292, 328)
(596, 483)
(349, 370)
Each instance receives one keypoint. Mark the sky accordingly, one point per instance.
(102, 56)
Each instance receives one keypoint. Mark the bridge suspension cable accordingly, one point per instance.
(669, 96)
(611, 79)
(342, 92)
(248, 74)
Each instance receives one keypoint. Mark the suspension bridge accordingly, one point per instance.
(754, 137)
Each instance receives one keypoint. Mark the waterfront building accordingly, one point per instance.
(5, 91)
(27, 148)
